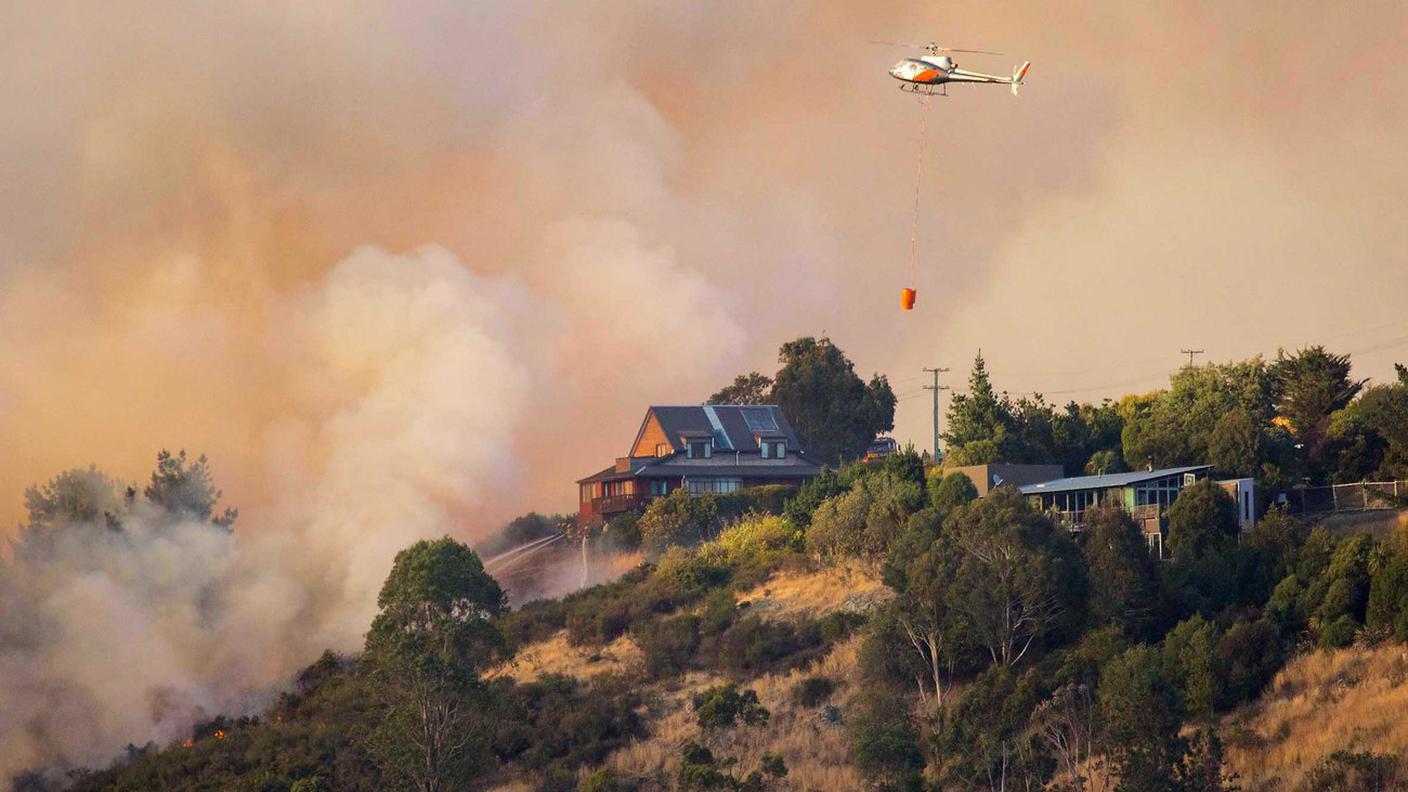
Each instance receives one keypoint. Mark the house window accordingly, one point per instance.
(779, 450)
(662, 449)
(766, 449)
(700, 450)
(719, 486)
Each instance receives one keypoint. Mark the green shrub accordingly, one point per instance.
(679, 519)
(866, 519)
(682, 578)
(753, 644)
(813, 691)
(697, 771)
(799, 509)
(760, 534)
(722, 706)
(623, 531)
(668, 645)
(951, 491)
(771, 498)
(534, 621)
(1339, 633)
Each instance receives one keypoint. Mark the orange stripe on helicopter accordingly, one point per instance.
(926, 75)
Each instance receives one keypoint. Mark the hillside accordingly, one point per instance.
(810, 737)
(1349, 701)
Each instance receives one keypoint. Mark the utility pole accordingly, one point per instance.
(1190, 353)
(936, 388)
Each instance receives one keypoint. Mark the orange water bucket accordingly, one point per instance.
(907, 298)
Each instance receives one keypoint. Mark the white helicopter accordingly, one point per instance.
(931, 74)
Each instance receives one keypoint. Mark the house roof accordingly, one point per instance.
(1107, 481)
(609, 474)
(734, 427)
(731, 465)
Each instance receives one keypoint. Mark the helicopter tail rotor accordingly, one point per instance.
(1018, 75)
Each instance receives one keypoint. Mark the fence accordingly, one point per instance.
(1361, 496)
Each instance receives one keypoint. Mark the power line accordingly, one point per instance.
(1190, 353)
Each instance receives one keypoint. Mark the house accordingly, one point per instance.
(986, 477)
(1145, 494)
(717, 448)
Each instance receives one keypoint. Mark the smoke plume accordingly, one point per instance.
(407, 270)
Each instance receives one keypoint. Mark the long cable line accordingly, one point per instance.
(927, 104)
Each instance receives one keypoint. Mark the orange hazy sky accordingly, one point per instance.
(430, 261)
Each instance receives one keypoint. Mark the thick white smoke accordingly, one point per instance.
(212, 231)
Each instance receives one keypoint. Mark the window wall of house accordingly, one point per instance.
(718, 486)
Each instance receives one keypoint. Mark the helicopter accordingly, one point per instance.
(930, 75)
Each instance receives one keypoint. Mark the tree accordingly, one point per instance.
(1123, 573)
(884, 743)
(1310, 386)
(834, 413)
(750, 388)
(74, 496)
(1202, 538)
(1178, 426)
(1234, 445)
(1141, 717)
(186, 491)
(1378, 423)
(1388, 597)
(1067, 723)
(977, 418)
(1190, 663)
(434, 632)
(1018, 576)
(800, 507)
(926, 617)
(1202, 521)
(867, 518)
(680, 518)
(951, 491)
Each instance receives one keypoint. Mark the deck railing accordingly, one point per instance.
(620, 503)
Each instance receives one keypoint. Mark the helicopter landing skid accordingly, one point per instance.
(924, 90)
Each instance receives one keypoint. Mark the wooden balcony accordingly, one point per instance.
(614, 504)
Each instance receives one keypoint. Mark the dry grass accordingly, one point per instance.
(849, 585)
(556, 656)
(816, 753)
(1352, 699)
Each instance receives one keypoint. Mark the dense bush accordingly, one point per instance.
(866, 519)
(561, 723)
(771, 498)
(722, 706)
(813, 691)
(667, 644)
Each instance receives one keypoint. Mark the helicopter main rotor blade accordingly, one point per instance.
(933, 46)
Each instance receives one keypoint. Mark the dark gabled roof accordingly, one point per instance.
(609, 474)
(742, 465)
(1108, 480)
(734, 427)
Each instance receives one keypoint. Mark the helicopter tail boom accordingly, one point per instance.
(1019, 74)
